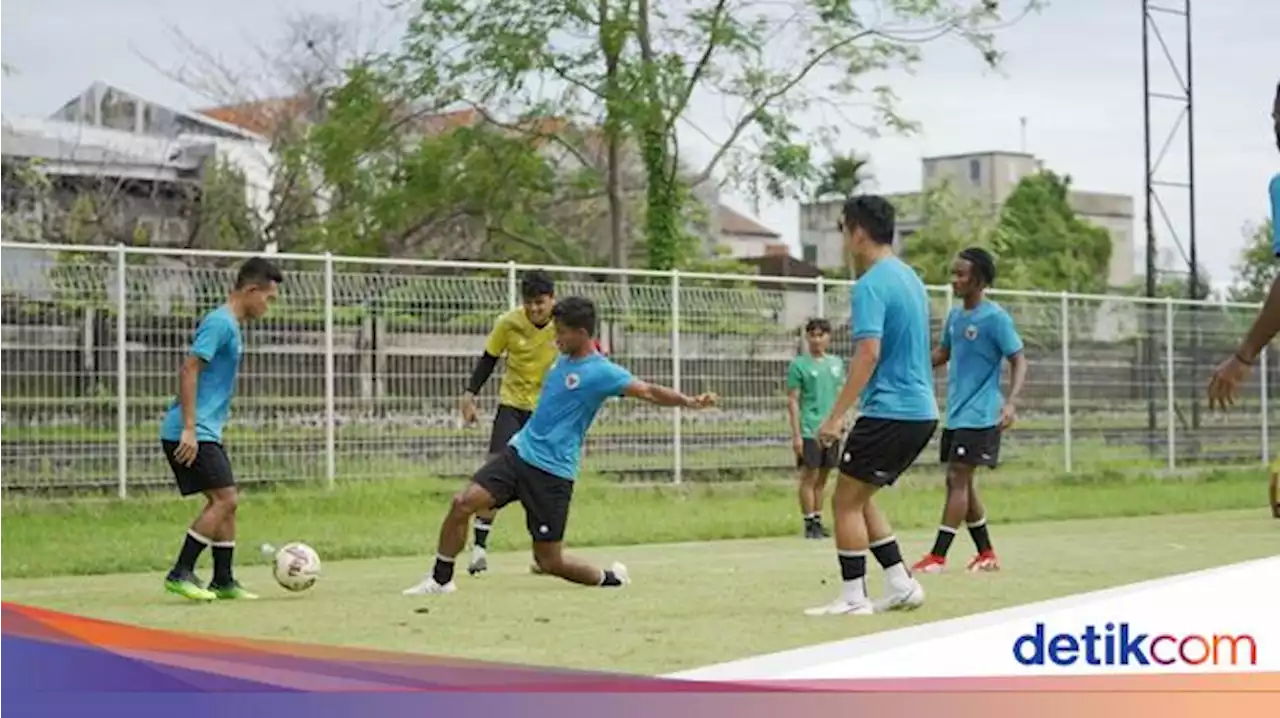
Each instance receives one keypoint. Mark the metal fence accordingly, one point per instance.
(356, 371)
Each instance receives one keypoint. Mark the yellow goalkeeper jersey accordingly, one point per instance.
(530, 351)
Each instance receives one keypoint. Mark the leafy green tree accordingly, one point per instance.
(1047, 243)
(1257, 267)
(949, 222)
(641, 64)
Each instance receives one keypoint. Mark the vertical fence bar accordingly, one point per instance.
(1263, 395)
(822, 298)
(1066, 383)
(330, 399)
(122, 373)
(513, 287)
(677, 418)
(1170, 397)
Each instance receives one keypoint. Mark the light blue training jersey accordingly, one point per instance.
(572, 393)
(980, 340)
(890, 303)
(217, 344)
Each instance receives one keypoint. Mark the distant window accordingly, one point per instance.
(975, 171)
(118, 112)
(810, 253)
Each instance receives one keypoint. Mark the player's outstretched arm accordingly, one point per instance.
(666, 396)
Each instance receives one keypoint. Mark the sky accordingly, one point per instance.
(1074, 71)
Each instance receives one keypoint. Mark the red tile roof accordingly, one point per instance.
(732, 222)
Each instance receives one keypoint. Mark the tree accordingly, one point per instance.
(635, 67)
(949, 222)
(1048, 245)
(842, 176)
(1257, 268)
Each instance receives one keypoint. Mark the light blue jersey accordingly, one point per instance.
(217, 344)
(1275, 215)
(980, 340)
(572, 393)
(891, 304)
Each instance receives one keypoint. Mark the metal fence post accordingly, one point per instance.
(1170, 397)
(513, 287)
(330, 420)
(1262, 390)
(822, 298)
(677, 418)
(1066, 383)
(122, 373)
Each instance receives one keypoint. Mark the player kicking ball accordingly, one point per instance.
(977, 338)
(191, 433)
(540, 465)
(891, 375)
(527, 337)
(813, 380)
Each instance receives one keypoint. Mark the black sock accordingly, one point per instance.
(610, 579)
(942, 544)
(442, 573)
(223, 552)
(817, 517)
(853, 565)
(887, 552)
(192, 546)
(482, 533)
(978, 532)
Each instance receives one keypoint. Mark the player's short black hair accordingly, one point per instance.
(537, 283)
(576, 313)
(258, 271)
(873, 213)
(817, 324)
(983, 264)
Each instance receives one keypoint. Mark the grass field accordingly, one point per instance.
(691, 603)
(719, 572)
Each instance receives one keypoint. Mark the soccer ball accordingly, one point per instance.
(297, 566)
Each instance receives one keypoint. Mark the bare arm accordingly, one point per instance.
(793, 413)
(660, 395)
(861, 367)
(1018, 364)
(1265, 326)
(941, 355)
(188, 381)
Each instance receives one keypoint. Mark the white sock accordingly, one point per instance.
(855, 591)
(898, 578)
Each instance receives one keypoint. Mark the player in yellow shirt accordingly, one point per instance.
(527, 336)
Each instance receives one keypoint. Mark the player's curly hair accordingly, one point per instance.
(576, 313)
(872, 213)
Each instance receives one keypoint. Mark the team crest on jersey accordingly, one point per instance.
(572, 381)
(971, 332)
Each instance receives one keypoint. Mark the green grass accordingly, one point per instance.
(399, 518)
(691, 604)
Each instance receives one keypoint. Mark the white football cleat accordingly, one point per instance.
(479, 561)
(621, 572)
(908, 599)
(428, 586)
(841, 607)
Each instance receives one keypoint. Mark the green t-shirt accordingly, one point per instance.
(819, 382)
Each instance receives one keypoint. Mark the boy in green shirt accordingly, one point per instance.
(813, 382)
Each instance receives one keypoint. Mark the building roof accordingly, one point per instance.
(732, 222)
(72, 148)
(783, 265)
(262, 117)
(99, 90)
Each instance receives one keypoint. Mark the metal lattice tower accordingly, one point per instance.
(1168, 100)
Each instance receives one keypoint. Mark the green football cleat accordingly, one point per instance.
(232, 592)
(188, 589)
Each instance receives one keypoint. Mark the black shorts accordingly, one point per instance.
(506, 424)
(211, 469)
(816, 456)
(545, 497)
(877, 451)
(975, 447)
